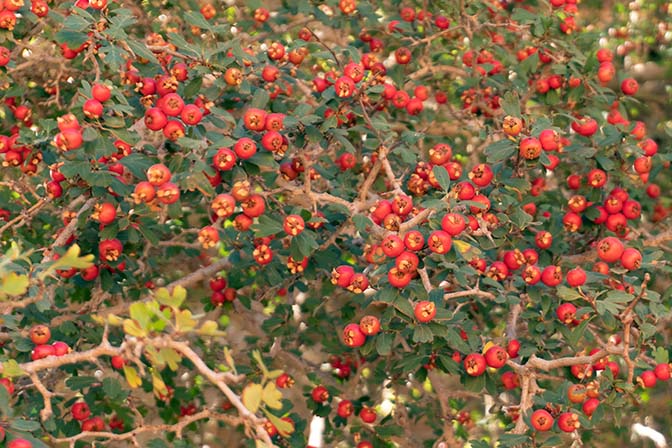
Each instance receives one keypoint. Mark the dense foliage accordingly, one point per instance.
(365, 224)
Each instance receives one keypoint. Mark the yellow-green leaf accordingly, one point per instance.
(114, 320)
(71, 259)
(257, 357)
(132, 377)
(13, 252)
(11, 368)
(153, 356)
(132, 328)
(184, 321)
(466, 249)
(174, 300)
(170, 357)
(209, 328)
(179, 294)
(272, 396)
(284, 428)
(273, 374)
(229, 359)
(252, 396)
(14, 284)
(160, 389)
(141, 314)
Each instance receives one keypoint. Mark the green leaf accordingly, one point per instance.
(567, 294)
(511, 104)
(619, 297)
(251, 396)
(361, 222)
(302, 245)
(520, 218)
(511, 440)
(422, 334)
(25, 425)
(402, 304)
(193, 87)
(661, 355)
(260, 99)
(196, 19)
(75, 22)
(500, 150)
(474, 383)
(80, 382)
(112, 389)
(384, 343)
(141, 50)
(442, 177)
(137, 164)
(266, 226)
(576, 335)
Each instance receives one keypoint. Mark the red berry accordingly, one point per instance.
(425, 311)
(662, 371)
(367, 414)
(42, 351)
(552, 275)
(80, 411)
(576, 277)
(353, 336)
(510, 380)
(475, 364)
(568, 422)
(566, 313)
(512, 348)
(576, 393)
(610, 249)
(40, 334)
(345, 409)
(101, 92)
(369, 325)
(61, 348)
(496, 357)
(590, 405)
(647, 379)
(629, 86)
(319, 394)
(118, 362)
(19, 443)
(541, 420)
(631, 259)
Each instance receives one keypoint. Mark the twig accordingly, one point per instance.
(469, 292)
(23, 217)
(69, 229)
(177, 428)
(47, 411)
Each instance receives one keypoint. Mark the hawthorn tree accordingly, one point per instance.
(336, 223)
